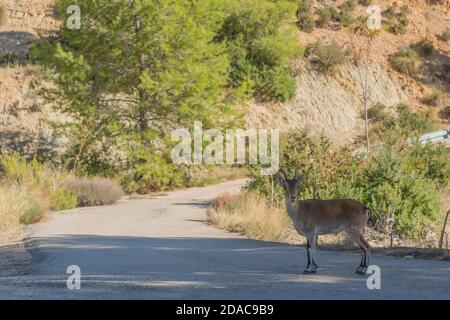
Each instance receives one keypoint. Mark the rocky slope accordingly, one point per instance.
(323, 104)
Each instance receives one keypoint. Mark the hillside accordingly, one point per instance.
(335, 112)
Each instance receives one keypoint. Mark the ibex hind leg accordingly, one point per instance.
(362, 269)
(365, 248)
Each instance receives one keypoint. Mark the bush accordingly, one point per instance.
(259, 40)
(95, 191)
(45, 181)
(276, 84)
(432, 99)
(445, 113)
(348, 6)
(17, 206)
(424, 47)
(326, 15)
(404, 181)
(365, 3)
(63, 199)
(32, 214)
(377, 112)
(405, 124)
(327, 57)
(3, 14)
(407, 61)
(305, 19)
(445, 36)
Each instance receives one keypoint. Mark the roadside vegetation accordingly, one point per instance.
(29, 189)
(403, 183)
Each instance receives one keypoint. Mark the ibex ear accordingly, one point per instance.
(281, 177)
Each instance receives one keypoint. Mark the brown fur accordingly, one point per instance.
(312, 218)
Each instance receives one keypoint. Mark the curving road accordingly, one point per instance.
(161, 248)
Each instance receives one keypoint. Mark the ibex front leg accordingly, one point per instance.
(311, 243)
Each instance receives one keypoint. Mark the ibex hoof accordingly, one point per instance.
(309, 271)
(361, 271)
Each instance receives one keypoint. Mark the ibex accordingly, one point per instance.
(312, 218)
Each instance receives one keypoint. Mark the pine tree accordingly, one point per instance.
(139, 67)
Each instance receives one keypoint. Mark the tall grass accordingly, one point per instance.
(251, 215)
(45, 181)
(17, 206)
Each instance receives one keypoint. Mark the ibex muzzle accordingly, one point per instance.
(312, 218)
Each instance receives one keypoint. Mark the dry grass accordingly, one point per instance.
(17, 206)
(94, 192)
(255, 217)
(250, 215)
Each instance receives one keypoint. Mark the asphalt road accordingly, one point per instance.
(162, 248)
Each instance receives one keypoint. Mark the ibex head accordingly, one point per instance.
(290, 187)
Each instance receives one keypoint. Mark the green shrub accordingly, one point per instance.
(327, 57)
(424, 47)
(445, 36)
(326, 15)
(63, 199)
(407, 61)
(276, 84)
(346, 18)
(432, 99)
(445, 113)
(32, 214)
(377, 112)
(389, 12)
(94, 191)
(47, 181)
(348, 6)
(259, 40)
(365, 3)
(305, 19)
(404, 181)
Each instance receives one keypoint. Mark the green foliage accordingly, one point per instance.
(277, 84)
(47, 181)
(445, 113)
(377, 112)
(260, 45)
(327, 57)
(63, 199)
(445, 36)
(433, 97)
(397, 21)
(305, 19)
(132, 64)
(365, 3)
(32, 214)
(348, 6)
(424, 47)
(406, 60)
(405, 124)
(326, 15)
(404, 181)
